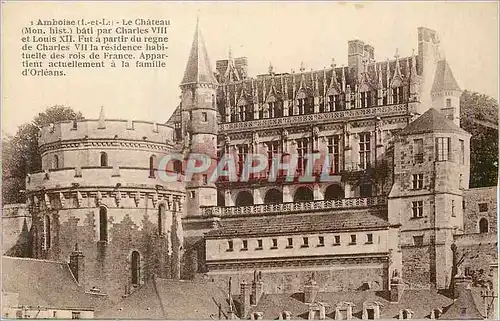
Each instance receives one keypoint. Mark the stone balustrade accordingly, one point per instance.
(317, 205)
(342, 115)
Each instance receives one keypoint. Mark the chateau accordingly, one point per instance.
(397, 212)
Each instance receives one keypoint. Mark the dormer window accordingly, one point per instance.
(436, 313)
(442, 148)
(285, 315)
(343, 311)
(371, 310)
(405, 314)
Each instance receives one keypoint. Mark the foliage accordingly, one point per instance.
(20, 152)
(479, 116)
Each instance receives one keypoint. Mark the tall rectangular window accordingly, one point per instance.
(369, 238)
(331, 102)
(302, 146)
(364, 150)
(334, 153)
(336, 240)
(461, 157)
(242, 154)
(418, 148)
(448, 102)
(230, 246)
(442, 148)
(204, 116)
(290, 243)
(353, 239)
(301, 102)
(272, 150)
(418, 181)
(417, 208)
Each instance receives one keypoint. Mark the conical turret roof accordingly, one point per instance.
(444, 79)
(198, 69)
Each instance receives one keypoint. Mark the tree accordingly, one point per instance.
(479, 116)
(20, 152)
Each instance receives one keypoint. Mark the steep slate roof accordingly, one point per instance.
(309, 222)
(24, 243)
(421, 302)
(198, 68)
(286, 84)
(432, 121)
(467, 302)
(171, 299)
(43, 283)
(443, 78)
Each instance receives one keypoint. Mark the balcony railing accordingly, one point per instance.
(318, 205)
(387, 110)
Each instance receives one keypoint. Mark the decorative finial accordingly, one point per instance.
(302, 68)
(230, 54)
(76, 247)
(333, 63)
(271, 68)
(396, 55)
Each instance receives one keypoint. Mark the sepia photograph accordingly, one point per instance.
(179, 160)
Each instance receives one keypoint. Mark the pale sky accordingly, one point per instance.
(283, 33)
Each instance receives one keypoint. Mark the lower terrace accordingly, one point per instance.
(295, 207)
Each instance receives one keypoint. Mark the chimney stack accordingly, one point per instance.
(397, 287)
(244, 299)
(77, 265)
(310, 290)
(257, 288)
(460, 284)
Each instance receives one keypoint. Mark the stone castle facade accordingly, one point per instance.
(399, 198)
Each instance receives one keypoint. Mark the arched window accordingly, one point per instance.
(135, 267)
(55, 163)
(161, 219)
(244, 198)
(334, 191)
(46, 228)
(221, 200)
(152, 166)
(273, 196)
(104, 159)
(483, 225)
(103, 224)
(303, 194)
